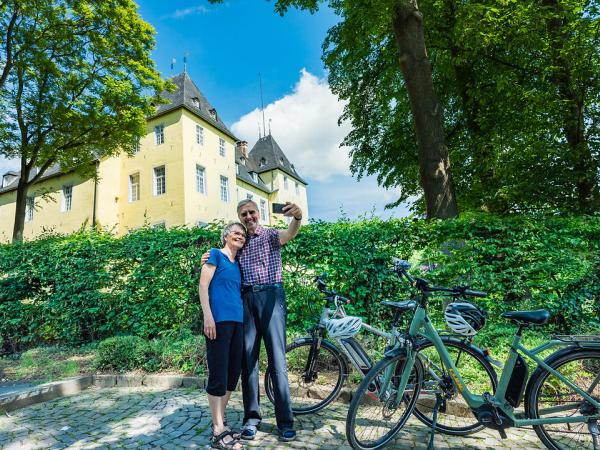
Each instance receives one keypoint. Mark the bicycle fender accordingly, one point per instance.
(548, 360)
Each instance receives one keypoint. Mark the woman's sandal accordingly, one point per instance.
(235, 435)
(233, 444)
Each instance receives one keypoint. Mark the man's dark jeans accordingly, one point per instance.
(264, 319)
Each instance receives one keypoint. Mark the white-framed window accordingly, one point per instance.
(29, 207)
(159, 134)
(249, 196)
(297, 188)
(263, 209)
(134, 187)
(199, 135)
(136, 146)
(200, 179)
(255, 177)
(67, 198)
(221, 146)
(160, 180)
(224, 189)
(285, 182)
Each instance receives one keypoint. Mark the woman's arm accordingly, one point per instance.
(206, 276)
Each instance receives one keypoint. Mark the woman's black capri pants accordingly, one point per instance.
(224, 358)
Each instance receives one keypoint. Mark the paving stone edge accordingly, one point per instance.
(72, 386)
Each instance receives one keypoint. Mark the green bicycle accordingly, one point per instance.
(562, 396)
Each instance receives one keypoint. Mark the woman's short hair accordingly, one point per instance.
(228, 228)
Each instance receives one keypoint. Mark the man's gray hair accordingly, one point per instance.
(227, 230)
(244, 202)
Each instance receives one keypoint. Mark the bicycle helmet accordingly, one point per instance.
(464, 318)
(344, 327)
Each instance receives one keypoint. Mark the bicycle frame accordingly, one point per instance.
(421, 326)
(350, 346)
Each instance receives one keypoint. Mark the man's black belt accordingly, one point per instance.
(261, 287)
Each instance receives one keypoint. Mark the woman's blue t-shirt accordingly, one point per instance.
(224, 291)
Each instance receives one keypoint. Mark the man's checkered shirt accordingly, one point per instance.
(260, 259)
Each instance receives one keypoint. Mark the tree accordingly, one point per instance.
(377, 41)
(519, 85)
(77, 83)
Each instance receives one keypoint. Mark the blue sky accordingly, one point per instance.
(227, 45)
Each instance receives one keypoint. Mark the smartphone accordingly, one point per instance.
(278, 208)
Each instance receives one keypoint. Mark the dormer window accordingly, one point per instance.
(213, 114)
(243, 160)
(196, 102)
(237, 168)
(255, 177)
(263, 162)
(281, 161)
(293, 168)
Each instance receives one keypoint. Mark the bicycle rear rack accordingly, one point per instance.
(583, 338)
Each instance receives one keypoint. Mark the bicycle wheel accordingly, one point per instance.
(547, 397)
(454, 416)
(374, 417)
(310, 392)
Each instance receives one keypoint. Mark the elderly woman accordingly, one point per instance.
(220, 288)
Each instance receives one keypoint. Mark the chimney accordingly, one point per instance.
(243, 148)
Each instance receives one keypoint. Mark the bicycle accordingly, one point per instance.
(562, 396)
(318, 367)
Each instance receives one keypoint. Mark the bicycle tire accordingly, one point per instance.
(300, 391)
(544, 387)
(366, 393)
(455, 409)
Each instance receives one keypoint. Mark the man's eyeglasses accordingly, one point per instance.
(251, 212)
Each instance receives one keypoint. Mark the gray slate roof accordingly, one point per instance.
(50, 172)
(245, 172)
(267, 155)
(187, 95)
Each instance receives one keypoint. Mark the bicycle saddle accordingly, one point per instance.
(406, 305)
(535, 316)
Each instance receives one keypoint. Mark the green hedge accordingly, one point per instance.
(90, 286)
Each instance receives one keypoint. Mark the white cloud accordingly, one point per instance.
(305, 125)
(179, 13)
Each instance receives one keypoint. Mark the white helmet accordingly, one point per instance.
(344, 327)
(464, 318)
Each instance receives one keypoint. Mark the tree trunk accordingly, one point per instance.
(584, 168)
(21, 206)
(434, 165)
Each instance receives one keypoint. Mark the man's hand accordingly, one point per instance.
(205, 257)
(210, 329)
(292, 210)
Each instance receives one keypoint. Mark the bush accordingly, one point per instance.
(91, 286)
(184, 353)
(125, 353)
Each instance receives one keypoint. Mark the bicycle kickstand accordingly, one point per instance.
(593, 427)
(438, 402)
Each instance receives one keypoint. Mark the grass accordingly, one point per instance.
(45, 364)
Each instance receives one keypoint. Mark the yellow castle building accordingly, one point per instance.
(188, 170)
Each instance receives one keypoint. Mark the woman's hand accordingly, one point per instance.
(210, 329)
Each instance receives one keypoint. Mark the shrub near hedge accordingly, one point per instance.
(91, 286)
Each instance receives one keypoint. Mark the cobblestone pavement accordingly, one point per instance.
(140, 418)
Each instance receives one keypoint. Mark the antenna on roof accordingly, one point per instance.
(173, 61)
(185, 55)
(262, 104)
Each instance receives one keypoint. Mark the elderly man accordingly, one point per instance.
(264, 315)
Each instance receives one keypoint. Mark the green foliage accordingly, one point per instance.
(519, 88)
(184, 353)
(91, 286)
(125, 353)
(76, 84)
